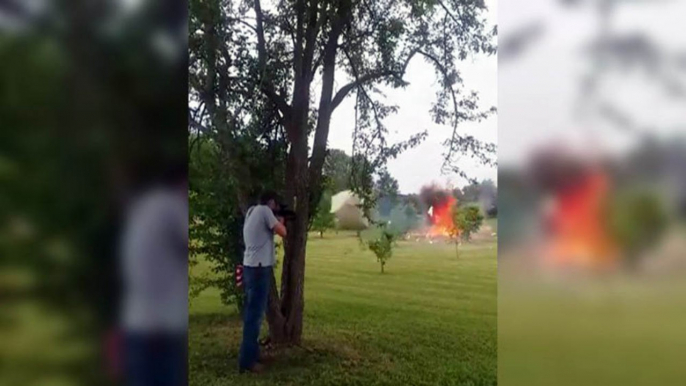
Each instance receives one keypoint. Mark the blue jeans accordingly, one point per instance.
(155, 359)
(256, 281)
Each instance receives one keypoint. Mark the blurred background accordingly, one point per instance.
(92, 112)
(592, 188)
(592, 192)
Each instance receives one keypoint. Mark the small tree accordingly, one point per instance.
(324, 219)
(466, 221)
(454, 233)
(471, 221)
(637, 221)
(382, 247)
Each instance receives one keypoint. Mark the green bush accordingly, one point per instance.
(637, 221)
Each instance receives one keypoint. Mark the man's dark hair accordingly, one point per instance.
(268, 195)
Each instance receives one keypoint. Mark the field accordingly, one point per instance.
(619, 329)
(431, 319)
(616, 333)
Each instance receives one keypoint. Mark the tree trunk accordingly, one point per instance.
(285, 314)
(382, 264)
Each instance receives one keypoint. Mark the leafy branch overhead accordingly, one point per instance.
(280, 47)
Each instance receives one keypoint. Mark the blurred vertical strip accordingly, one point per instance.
(592, 192)
(93, 109)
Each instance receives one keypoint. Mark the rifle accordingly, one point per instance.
(284, 212)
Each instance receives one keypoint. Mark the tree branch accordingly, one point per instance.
(314, 24)
(266, 86)
(365, 95)
(261, 42)
(448, 13)
(475, 145)
(200, 128)
(299, 32)
(361, 80)
(243, 22)
(345, 90)
(444, 72)
(343, 17)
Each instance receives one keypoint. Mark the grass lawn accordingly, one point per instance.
(616, 333)
(431, 319)
(39, 345)
(619, 329)
(493, 223)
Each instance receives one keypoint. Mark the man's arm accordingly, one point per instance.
(279, 228)
(273, 223)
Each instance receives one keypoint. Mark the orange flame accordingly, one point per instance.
(579, 236)
(441, 218)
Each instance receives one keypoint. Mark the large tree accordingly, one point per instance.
(387, 186)
(324, 219)
(291, 52)
(344, 172)
(387, 192)
(471, 193)
(337, 169)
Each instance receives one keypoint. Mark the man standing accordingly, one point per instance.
(154, 266)
(258, 233)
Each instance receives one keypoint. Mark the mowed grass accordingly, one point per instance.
(623, 328)
(429, 320)
(614, 333)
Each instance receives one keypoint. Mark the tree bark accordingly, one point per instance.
(326, 106)
(285, 314)
(275, 319)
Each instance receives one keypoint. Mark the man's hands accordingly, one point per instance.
(281, 220)
(280, 228)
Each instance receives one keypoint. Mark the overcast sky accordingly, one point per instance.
(422, 165)
(538, 91)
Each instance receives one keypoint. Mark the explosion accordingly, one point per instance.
(576, 222)
(440, 213)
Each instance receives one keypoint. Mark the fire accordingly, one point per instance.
(578, 232)
(441, 217)
(440, 202)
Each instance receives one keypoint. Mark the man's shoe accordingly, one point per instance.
(257, 368)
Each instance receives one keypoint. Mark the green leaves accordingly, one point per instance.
(637, 220)
(382, 246)
(338, 169)
(324, 219)
(467, 220)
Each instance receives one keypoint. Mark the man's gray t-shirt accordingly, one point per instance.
(258, 234)
(154, 263)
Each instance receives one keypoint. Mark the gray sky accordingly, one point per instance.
(537, 91)
(422, 165)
